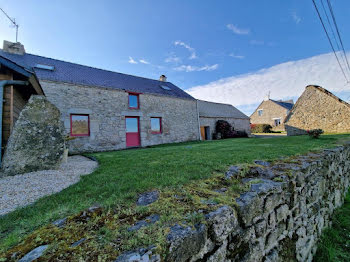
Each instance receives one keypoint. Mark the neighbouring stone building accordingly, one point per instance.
(104, 110)
(318, 108)
(210, 113)
(272, 112)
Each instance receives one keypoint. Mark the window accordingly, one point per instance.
(165, 87)
(156, 125)
(45, 67)
(277, 121)
(79, 125)
(260, 112)
(134, 101)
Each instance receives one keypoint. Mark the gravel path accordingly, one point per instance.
(21, 190)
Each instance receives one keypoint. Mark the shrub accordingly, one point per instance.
(224, 128)
(261, 128)
(314, 133)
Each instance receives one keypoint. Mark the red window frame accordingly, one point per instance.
(138, 100)
(71, 126)
(160, 126)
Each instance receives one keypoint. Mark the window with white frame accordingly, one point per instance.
(277, 121)
(260, 112)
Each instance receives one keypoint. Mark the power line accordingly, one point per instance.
(12, 21)
(336, 27)
(329, 39)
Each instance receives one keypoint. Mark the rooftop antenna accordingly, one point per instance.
(13, 21)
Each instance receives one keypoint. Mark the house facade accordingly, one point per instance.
(210, 113)
(318, 108)
(272, 112)
(104, 110)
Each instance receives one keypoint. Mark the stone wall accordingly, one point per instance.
(237, 124)
(271, 110)
(280, 217)
(318, 108)
(107, 109)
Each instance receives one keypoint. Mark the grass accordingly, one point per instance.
(123, 174)
(334, 245)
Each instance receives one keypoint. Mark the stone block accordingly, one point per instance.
(37, 140)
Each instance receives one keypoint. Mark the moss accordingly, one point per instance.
(106, 230)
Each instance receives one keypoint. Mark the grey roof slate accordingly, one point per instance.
(285, 104)
(84, 75)
(211, 109)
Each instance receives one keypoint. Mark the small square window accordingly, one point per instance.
(156, 125)
(260, 112)
(134, 101)
(79, 125)
(277, 121)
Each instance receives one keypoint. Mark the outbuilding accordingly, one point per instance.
(210, 113)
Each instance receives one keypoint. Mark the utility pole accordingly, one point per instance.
(13, 21)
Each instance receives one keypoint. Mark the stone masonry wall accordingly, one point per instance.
(280, 217)
(107, 109)
(317, 108)
(270, 111)
(237, 124)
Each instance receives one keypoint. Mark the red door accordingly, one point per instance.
(132, 131)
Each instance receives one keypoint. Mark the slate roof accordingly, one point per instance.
(286, 104)
(210, 109)
(84, 75)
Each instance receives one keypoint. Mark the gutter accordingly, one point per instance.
(4, 83)
(199, 124)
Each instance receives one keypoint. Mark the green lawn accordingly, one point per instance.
(335, 241)
(123, 174)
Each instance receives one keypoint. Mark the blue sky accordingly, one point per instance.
(192, 42)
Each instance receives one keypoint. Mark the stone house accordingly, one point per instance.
(104, 110)
(210, 113)
(272, 112)
(318, 108)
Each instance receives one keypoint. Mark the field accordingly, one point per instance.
(122, 175)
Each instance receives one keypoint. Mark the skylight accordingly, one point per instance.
(45, 67)
(165, 87)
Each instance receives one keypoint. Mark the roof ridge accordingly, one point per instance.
(329, 93)
(106, 70)
(215, 102)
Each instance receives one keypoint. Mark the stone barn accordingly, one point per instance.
(210, 113)
(318, 108)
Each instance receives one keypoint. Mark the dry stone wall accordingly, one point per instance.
(280, 217)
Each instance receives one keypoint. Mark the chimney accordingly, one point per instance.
(162, 78)
(13, 48)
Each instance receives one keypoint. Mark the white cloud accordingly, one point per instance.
(256, 42)
(237, 30)
(132, 61)
(296, 18)
(285, 81)
(189, 48)
(190, 68)
(172, 58)
(143, 61)
(237, 56)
